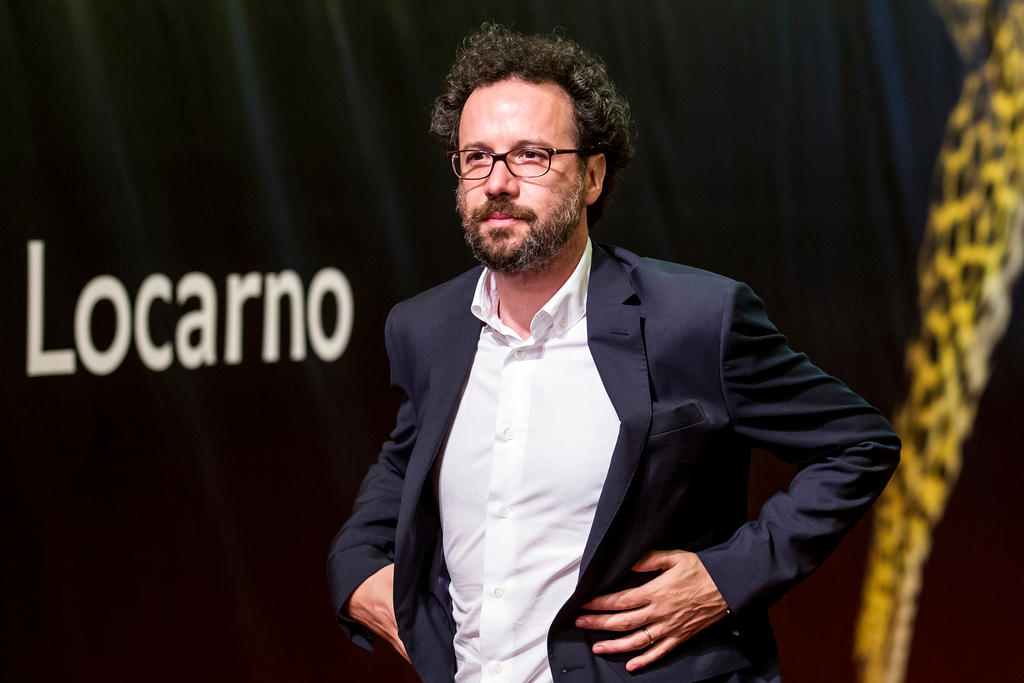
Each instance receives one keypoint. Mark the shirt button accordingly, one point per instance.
(520, 354)
(504, 513)
(499, 592)
(495, 668)
(509, 434)
(562, 323)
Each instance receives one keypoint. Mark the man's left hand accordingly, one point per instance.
(660, 614)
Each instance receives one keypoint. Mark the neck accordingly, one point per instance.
(521, 294)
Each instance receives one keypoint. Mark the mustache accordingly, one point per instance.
(503, 205)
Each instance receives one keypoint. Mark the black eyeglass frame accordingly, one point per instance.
(495, 158)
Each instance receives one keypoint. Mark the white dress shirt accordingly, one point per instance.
(519, 481)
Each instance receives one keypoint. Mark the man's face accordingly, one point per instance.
(521, 224)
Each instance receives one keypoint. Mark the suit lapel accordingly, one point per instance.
(449, 347)
(616, 342)
(453, 342)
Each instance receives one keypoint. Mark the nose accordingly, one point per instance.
(501, 181)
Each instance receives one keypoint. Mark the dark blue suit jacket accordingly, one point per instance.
(698, 376)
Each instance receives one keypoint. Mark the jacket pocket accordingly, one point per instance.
(665, 420)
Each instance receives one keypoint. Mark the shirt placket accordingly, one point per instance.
(502, 605)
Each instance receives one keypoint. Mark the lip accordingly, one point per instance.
(500, 219)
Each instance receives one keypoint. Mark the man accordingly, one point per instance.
(564, 494)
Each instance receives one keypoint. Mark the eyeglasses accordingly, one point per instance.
(525, 162)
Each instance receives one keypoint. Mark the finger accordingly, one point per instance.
(637, 640)
(629, 620)
(400, 648)
(657, 651)
(390, 634)
(631, 598)
(657, 559)
(643, 596)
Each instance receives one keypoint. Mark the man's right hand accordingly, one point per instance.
(372, 604)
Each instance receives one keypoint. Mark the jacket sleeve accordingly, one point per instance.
(845, 450)
(366, 542)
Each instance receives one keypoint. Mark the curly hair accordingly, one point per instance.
(494, 53)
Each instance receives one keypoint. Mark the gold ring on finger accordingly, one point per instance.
(649, 636)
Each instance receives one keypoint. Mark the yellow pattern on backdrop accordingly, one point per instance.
(972, 253)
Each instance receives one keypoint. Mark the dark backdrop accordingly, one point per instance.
(172, 524)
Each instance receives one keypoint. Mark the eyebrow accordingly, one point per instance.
(518, 144)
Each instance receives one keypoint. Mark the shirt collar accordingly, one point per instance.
(563, 310)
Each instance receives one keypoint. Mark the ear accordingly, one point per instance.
(594, 180)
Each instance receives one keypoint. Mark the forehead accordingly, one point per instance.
(512, 112)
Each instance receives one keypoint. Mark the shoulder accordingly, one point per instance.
(659, 283)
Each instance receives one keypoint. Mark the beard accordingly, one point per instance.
(498, 250)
